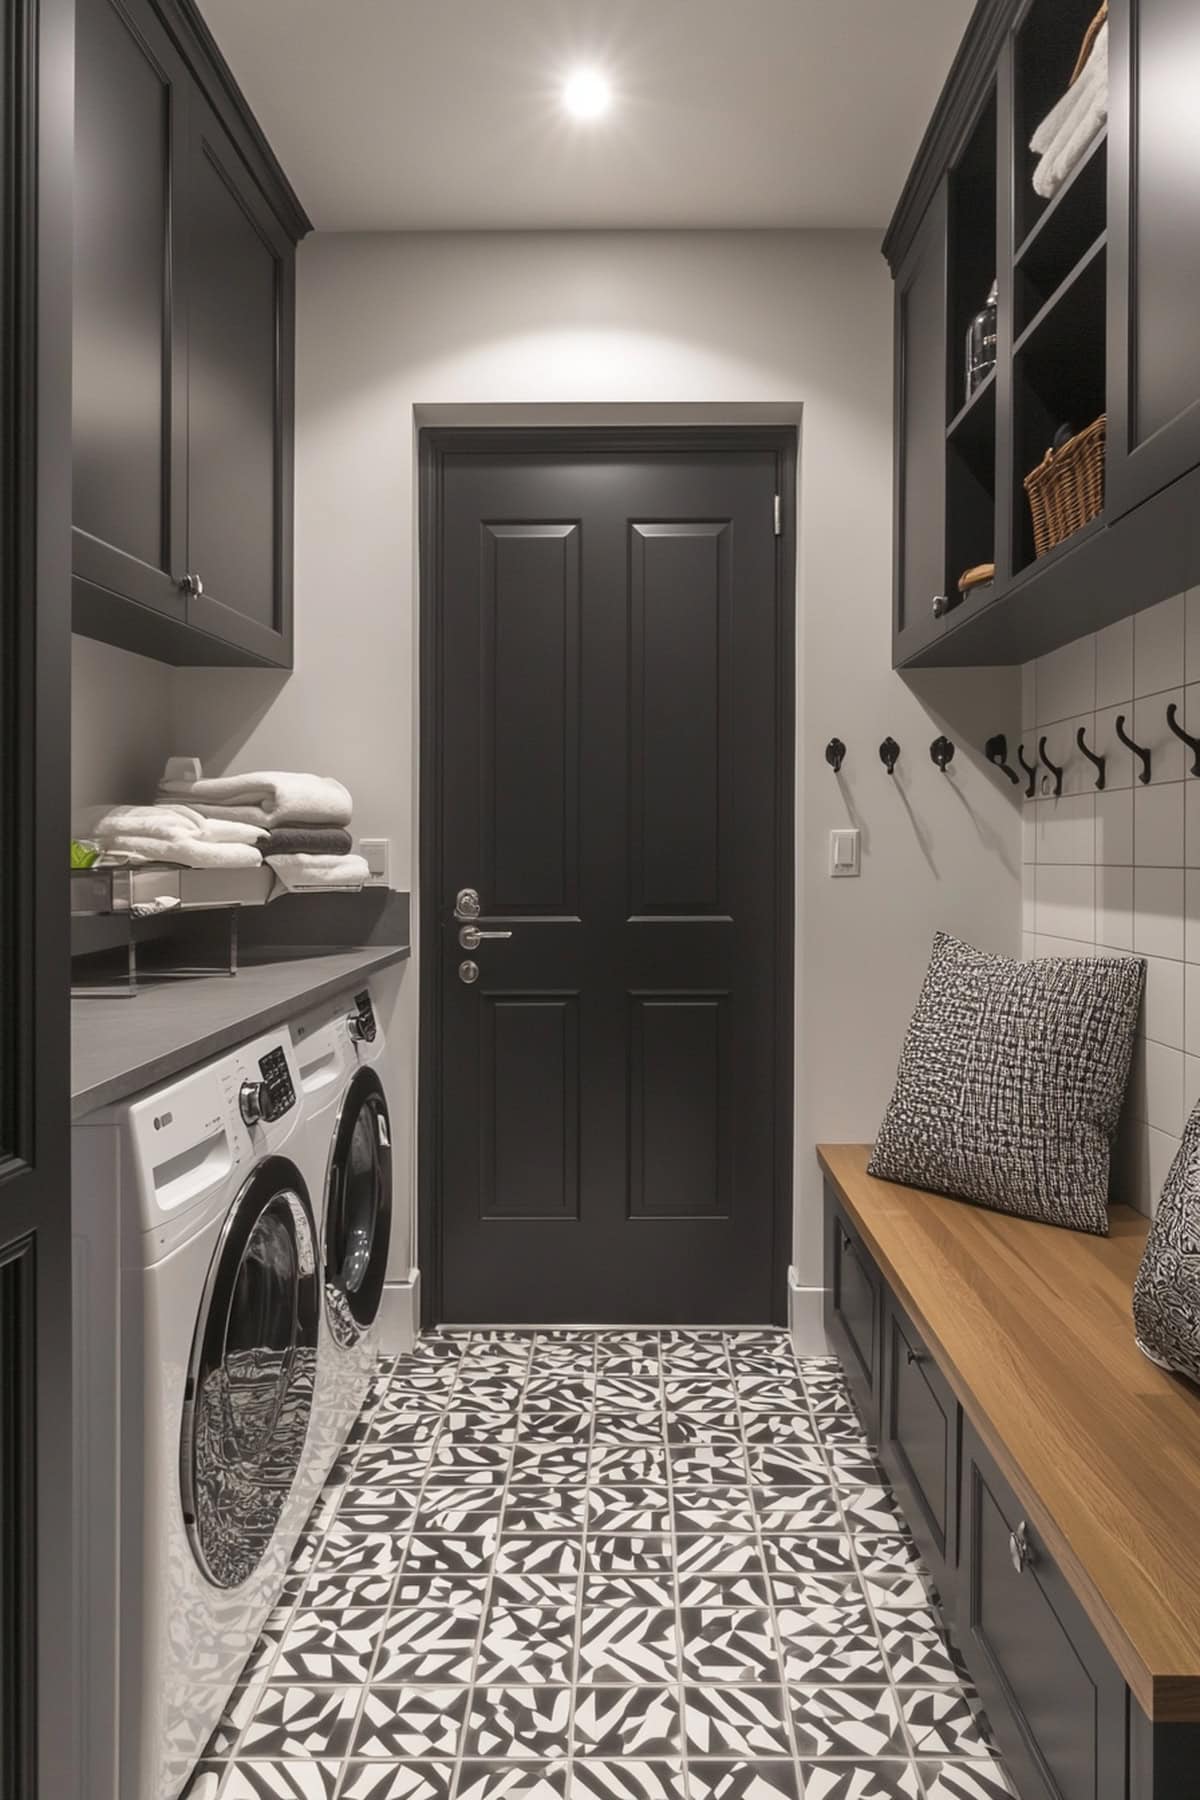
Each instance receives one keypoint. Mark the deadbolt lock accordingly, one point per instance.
(468, 972)
(467, 904)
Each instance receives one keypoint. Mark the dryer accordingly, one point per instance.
(347, 1156)
(198, 1313)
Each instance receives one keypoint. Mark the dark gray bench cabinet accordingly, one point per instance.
(1065, 1719)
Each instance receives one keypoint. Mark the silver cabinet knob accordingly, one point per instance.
(470, 937)
(466, 906)
(1019, 1549)
(941, 605)
(912, 1356)
(468, 972)
(192, 584)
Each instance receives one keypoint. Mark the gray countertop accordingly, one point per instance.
(121, 1047)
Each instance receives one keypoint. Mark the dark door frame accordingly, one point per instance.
(435, 444)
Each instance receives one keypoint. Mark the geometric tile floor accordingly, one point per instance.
(605, 1565)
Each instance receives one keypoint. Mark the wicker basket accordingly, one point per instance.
(1067, 487)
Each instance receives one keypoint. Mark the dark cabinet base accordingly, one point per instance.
(97, 612)
(1064, 1718)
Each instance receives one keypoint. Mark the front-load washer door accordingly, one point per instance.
(253, 1368)
(358, 1209)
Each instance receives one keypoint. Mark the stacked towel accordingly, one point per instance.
(1063, 136)
(168, 834)
(303, 819)
(267, 798)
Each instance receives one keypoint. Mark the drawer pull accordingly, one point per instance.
(912, 1356)
(1019, 1548)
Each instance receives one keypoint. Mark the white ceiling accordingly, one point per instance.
(444, 114)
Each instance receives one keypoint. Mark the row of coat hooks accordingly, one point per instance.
(996, 751)
(941, 751)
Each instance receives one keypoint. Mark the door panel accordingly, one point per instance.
(1154, 262)
(129, 443)
(530, 807)
(607, 1086)
(239, 342)
(920, 435)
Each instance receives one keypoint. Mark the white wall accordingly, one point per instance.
(120, 723)
(1119, 871)
(733, 324)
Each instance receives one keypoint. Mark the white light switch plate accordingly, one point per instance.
(377, 852)
(844, 853)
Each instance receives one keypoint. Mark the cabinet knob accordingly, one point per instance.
(192, 584)
(941, 605)
(1019, 1548)
(912, 1356)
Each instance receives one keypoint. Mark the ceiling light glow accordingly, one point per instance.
(587, 93)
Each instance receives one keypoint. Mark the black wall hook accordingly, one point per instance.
(1030, 770)
(889, 754)
(1136, 748)
(1185, 737)
(1053, 767)
(1097, 761)
(996, 751)
(835, 754)
(941, 751)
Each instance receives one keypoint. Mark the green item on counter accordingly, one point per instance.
(83, 855)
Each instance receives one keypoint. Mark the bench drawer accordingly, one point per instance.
(853, 1310)
(919, 1442)
(1053, 1694)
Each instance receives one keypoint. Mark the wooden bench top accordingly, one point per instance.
(1031, 1326)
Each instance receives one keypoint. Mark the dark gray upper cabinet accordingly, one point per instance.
(919, 518)
(1097, 289)
(184, 348)
(1154, 238)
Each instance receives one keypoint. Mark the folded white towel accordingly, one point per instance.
(1072, 122)
(266, 797)
(100, 823)
(187, 852)
(301, 874)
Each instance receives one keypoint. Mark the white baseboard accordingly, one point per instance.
(806, 1318)
(400, 1315)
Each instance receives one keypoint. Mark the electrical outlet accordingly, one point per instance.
(377, 852)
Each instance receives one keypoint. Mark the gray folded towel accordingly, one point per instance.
(307, 840)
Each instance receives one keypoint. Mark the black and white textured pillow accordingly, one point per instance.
(1166, 1294)
(1011, 1081)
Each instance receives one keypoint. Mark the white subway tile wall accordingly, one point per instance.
(1118, 871)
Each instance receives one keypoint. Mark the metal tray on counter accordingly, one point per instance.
(120, 888)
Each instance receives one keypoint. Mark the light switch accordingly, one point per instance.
(376, 853)
(843, 853)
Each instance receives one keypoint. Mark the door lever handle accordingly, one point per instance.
(470, 937)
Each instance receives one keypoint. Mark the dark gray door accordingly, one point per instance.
(1154, 249)
(240, 312)
(614, 759)
(129, 445)
(38, 1751)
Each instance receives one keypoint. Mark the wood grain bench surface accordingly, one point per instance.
(1031, 1326)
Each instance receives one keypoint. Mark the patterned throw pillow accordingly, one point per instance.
(1166, 1294)
(1011, 1081)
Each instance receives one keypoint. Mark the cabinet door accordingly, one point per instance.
(918, 1442)
(1154, 247)
(853, 1295)
(240, 382)
(129, 460)
(920, 437)
(1052, 1692)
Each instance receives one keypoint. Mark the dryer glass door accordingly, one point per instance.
(250, 1386)
(358, 1211)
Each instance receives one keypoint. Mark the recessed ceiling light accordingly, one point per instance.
(587, 93)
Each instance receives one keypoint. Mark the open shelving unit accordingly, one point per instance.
(971, 268)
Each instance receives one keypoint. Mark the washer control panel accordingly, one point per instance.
(361, 1022)
(274, 1095)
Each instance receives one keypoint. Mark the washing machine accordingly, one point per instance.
(347, 1158)
(198, 1305)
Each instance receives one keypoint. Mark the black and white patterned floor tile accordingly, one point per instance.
(572, 1565)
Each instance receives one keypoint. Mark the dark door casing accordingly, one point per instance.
(38, 1749)
(607, 734)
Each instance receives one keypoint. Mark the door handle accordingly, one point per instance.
(470, 937)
